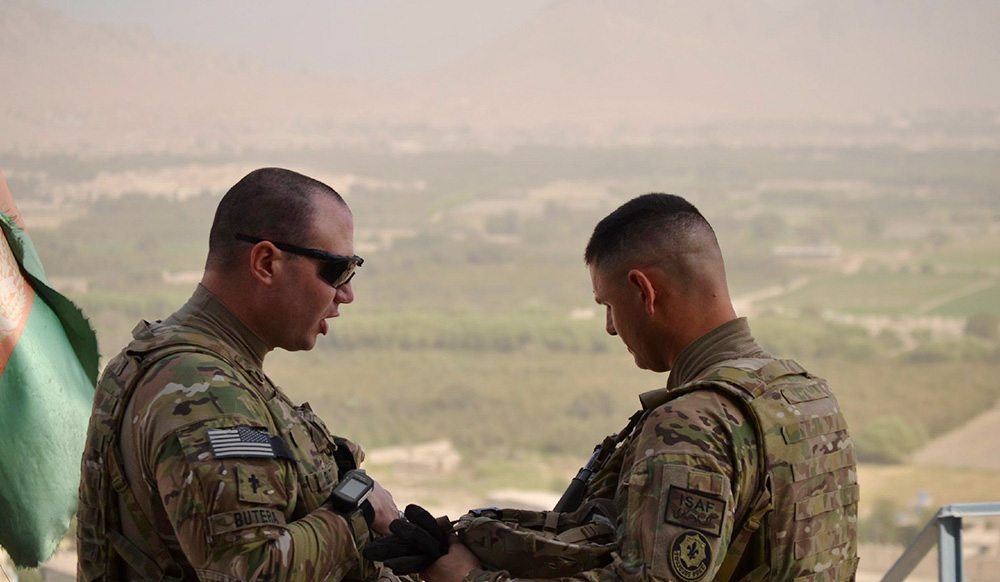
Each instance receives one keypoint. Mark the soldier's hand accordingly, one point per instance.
(422, 531)
(453, 566)
(385, 509)
(416, 542)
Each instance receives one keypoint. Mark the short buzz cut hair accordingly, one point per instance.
(644, 227)
(270, 203)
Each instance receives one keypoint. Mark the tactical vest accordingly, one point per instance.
(802, 524)
(101, 546)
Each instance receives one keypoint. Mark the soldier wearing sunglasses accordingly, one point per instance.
(197, 466)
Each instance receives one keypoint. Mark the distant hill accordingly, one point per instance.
(678, 62)
(578, 63)
(972, 445)
(73, 85)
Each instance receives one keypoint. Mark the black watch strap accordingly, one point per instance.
(368, 512)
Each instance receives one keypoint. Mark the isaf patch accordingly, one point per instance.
(695, 510)
(690, 555)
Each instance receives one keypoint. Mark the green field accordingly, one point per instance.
(532, 400)
(976, 252)
(875, 293)
(983, 301)
(490, 318)
(462, 329)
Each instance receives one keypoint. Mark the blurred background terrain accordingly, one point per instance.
(847, 154)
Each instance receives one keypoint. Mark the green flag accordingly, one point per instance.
(48, 367)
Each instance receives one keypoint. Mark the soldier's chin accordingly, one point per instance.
(644, 364)
(305, 345)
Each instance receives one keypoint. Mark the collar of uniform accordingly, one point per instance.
(206, 312)
(730, 341)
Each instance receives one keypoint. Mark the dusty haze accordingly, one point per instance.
(112, 77)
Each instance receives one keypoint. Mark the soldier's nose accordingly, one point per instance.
(345, 294)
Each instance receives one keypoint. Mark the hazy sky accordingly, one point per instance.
(490, 66)
(395, 37)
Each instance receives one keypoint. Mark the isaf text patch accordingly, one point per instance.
(695, 510)
(690, 555)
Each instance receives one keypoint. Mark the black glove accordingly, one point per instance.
(415, 543)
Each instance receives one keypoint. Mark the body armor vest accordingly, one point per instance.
(104, 490)
(103, 550)
(802, 524)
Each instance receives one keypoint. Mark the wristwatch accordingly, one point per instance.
(352, 491)
(350, 499)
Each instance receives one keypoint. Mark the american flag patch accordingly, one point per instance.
(241, 441)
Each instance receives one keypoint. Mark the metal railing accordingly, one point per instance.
(944, 529)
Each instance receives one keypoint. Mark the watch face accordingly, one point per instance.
(351, 491)
(353, 488)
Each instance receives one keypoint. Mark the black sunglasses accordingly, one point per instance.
(337, 270)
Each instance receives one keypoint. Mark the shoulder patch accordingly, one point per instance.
(256, 484)
(246, 441)
(690, 556)
(695, 510)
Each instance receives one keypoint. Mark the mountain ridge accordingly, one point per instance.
(577, 63)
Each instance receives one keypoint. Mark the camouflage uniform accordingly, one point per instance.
(227, 503)
(689, 474)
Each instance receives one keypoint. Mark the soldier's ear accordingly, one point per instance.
(640, 283)
(263, 259)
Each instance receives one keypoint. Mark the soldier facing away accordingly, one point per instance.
(197, 466)
(742, 468)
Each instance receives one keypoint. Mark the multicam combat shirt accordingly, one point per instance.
(230, 471)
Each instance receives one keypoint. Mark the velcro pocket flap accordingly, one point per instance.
(814, 427)
(824, 464)
(806, 393)
(826, 502)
